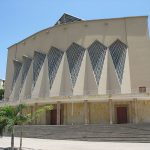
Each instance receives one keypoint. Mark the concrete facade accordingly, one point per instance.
(91, 70)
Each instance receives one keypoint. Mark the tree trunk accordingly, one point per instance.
(20, 148)
(12, 139)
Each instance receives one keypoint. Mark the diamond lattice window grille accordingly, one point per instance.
(25, 68)
(75, 55)
(54, 59)
(38, 61)
(118, 53)
(17, 68)
(97, 53)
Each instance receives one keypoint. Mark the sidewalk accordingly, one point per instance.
(46, 144)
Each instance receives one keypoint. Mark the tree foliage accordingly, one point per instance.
(14, 115)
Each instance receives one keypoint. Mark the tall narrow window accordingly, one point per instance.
(97, 53)
(17, 68)
(54, 58)
(75, 55)
(26, 65)
(118, 53)
(38, 61)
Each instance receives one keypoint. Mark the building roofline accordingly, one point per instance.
(82, 21)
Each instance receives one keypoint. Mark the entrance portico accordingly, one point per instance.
(93, 110)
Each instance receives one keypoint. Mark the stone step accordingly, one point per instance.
(122, 133)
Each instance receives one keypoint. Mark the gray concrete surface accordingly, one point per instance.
(47, 144)
(139, 133)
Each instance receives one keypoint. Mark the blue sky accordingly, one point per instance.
(21, 18)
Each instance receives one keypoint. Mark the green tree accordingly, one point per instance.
(11, 116)
(1, 94)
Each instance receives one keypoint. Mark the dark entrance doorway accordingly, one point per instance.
(122, 116)
(54, 117)
(51, 117)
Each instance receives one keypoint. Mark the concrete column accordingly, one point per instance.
(110, 111)
(32, 111)
(130, 112)
(86, 112)
(72, 112)
(135, 111)
(35, 109)
(58, 113)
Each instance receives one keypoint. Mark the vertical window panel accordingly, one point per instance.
(75, 55)
(54, 59)
(17, 68)
(97, 52)
(26, 65)
(118, 53)
(38, 61)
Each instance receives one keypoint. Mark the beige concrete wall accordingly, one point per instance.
(138, 111)
(143, 111)
(139, 46)
(99, 113)
(28, 111)
(41, 120)
(132, 31)
(75, 116)
(9, 71)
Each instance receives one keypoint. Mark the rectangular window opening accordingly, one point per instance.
(142, 89)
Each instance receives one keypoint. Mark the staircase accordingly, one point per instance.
(115, 132)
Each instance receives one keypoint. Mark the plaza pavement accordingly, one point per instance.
(47, 144)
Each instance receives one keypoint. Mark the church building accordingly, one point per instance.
(91, 71)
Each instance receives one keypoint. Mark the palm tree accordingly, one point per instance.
(28, 118)
(11, 116)
(8, 119)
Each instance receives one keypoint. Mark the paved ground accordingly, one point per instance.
(46, 144)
